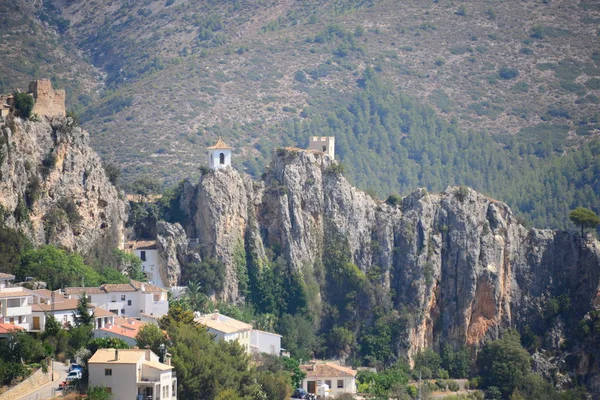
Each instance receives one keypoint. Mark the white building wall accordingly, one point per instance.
(123, 381)
(151, 265)
(16, 310)
(156, 308)
(349, 384)
(214, 158)
(265, 342)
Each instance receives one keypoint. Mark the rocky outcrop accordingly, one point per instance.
(173, 249)
(458, 262)
(54, 188)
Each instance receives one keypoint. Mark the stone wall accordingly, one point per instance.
(32, 383)
(48, 101)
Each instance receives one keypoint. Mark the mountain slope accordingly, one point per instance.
(203, 69)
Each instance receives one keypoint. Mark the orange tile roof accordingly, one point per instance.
(148, 287)
(101, 312)
(8, 328)
(59, 305)
(142, 244)
(6, 276)
(132, 286)
(220, 145)
(82, 290)
(21, 292)
(326, 370)
(222, 323)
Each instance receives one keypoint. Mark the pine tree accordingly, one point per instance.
(82, 315)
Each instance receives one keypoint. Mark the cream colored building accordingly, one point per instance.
(338, 379)
(132, 374)
(226, 328)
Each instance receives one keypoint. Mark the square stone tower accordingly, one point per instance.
(48, 102)
(325, 144)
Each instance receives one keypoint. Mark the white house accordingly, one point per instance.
(64, 310)
(147, 252)
(126, 299)
(324, 144)
(15, 303)
(226, 328)
(132, 374)
(125, 329)
(265, 342)
(219, 155)
(339, 379)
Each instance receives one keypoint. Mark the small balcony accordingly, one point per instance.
(17, 311)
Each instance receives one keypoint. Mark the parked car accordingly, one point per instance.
(300, 393)
(75, 366)
(75, 374)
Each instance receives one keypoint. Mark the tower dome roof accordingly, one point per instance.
(220, 145)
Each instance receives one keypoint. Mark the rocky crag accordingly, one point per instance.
(459, 261)
(54, 188)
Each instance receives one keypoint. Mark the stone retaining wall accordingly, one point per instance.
(35, 381)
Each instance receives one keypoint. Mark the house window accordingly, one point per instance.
(156, 297)
(128, 302)
(108, 390)
(328, 383)
(324, 149)
(114, 311)
(122, 311)
(107, 372)
(122, 297)
(143, 255)
(222, 158)
(340, 384)
(113, 298)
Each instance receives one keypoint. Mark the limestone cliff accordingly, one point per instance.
(54, 188)
(458, 261)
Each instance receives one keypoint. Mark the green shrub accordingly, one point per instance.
(32, 191)
(394, 200)
(593, 84)
(23, 104)
(336, 168)
(508, 73)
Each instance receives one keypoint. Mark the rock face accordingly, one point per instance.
(458, 261)
(172, 245)
(54, 188)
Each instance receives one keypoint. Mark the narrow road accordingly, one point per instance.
(48, 390)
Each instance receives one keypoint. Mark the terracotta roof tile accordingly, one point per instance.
(327, 370)
(14, 292)
(222, 323)
(101, 312)
(220, 145)
(117, 287)
(147, 287)
(7, 328)
(142, 244)
(81, 290)
(6, 276)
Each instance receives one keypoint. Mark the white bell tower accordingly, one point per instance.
(219, 155)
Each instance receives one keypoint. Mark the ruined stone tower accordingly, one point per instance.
(48, 102)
